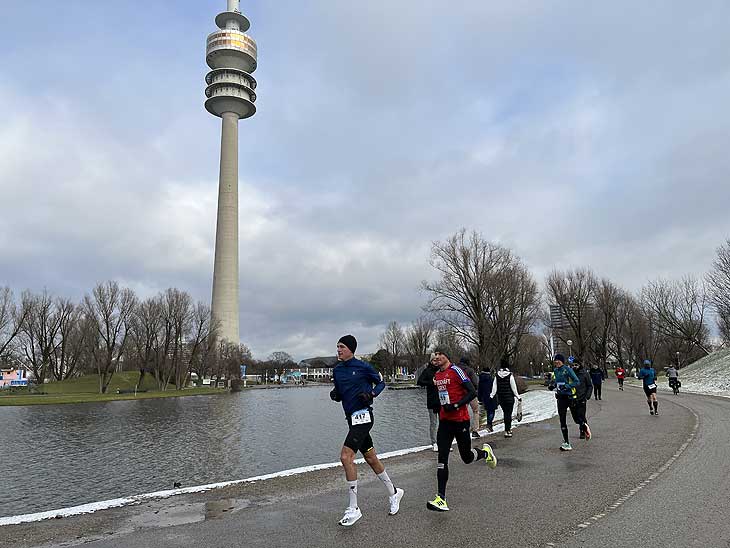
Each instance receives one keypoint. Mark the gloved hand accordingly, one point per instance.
(551, 386)
(334, 396)
(365, 398)
(450, 406)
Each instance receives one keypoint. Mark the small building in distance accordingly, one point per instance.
(13, 377)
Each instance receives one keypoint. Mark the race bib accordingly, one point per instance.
(444, 397)
(361, 417)
(651, 386)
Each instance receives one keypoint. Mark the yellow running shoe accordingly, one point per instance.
(491, 459)
(438, 504)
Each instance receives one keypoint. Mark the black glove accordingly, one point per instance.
(365, 398)
(334, 396)
(551, 386)
(450, 406)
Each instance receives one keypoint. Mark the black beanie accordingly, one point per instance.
(559, 358)
(349, 341)
(503, 363)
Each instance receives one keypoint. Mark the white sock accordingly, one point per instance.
(352, 485)
(386, 480)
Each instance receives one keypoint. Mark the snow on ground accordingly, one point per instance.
(537, 406)
(710, 375)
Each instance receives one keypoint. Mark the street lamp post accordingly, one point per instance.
(677, 360)
(570, 348)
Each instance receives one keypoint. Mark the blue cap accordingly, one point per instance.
(647, 362)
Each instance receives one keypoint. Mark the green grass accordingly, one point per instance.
(86, 389)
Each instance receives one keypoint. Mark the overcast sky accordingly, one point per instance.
(578, 134)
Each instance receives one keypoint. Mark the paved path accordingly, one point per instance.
(536, 496)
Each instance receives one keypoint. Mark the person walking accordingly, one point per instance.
(564, 383)
(648, 377)
(357, 383)
(620, 375)
(484, 396)
(473, 404)
(582, 395)
(505, 389)
(425, 379)
(455, 392)
(597, 380)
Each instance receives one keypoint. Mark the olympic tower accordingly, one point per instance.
(231, 55)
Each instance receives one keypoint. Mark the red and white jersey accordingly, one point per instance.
(450, 386)
(620, 374)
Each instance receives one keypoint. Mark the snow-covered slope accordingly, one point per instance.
(710, 375)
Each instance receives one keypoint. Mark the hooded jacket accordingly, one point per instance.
(585, 388)
(484, 392)
(505, 387)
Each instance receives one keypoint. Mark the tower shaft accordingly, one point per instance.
(225, 270)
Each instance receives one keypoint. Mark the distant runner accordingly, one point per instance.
(583, 394)
(673, 375)
(505, 389)
(620, 375)
(564, 383)
(455, 393)
(648, 376)
(356, 384)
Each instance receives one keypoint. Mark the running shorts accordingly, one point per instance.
(358, 438)
(649, 391)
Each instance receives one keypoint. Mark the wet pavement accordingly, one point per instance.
(537, 495)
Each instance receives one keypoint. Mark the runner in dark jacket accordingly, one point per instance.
(583, 394)
(484, 395)
(425, 379)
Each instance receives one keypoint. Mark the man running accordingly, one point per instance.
(620, 375)
(455, 393)
(582, 395)
(648, 376)
(564, 382)
(356, 384)
(673, 375)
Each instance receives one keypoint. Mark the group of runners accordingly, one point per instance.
(357, 383)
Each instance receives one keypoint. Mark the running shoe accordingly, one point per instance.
(566, 447)
(475, 435)
(588, 432)
(395, 501)
(438, 504)
(656, 412)
(508, 434)
(435, 447)
(490, 428)
(351, 516)
(651, 411)
(491, 458)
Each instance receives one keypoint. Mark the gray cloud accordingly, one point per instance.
(577, 135)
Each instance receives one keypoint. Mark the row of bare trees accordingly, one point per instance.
(486, 304)
(167, 336)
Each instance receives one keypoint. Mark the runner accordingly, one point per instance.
(673, 375)
(473, 404)
(484, 396)
(425, 379)
(356, 384)
(455, 393)
(582, 395)
(620, 374)
(648, 375)
(564, 383)
(505, 389)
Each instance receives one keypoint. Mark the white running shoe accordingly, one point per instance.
(395, 501)
(566, 447)
(435, 447)
(350, 517)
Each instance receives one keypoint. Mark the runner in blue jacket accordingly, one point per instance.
(648, 376)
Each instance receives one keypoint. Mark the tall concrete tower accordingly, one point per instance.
(231, 54)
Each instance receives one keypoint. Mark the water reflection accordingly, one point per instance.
(72, 454)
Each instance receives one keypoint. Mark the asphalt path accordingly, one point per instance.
(640, 480)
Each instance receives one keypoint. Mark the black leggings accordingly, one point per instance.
(597, 391)
(563, 405)
(507, 407)
(448, 431)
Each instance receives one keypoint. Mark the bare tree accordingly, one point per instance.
(718, 281)
(417, 341)
(39, 333)
(12, 320)
(393, 341)
(484, 294)
(574, 292)
(607, 298)
(203, 333)
(109, 308)
(73, 331)
(676, 310)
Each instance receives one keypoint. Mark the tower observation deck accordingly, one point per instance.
(230, 95)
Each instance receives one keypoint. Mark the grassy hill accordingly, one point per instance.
(710, 375)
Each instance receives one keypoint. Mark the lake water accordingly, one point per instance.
(58, 456)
